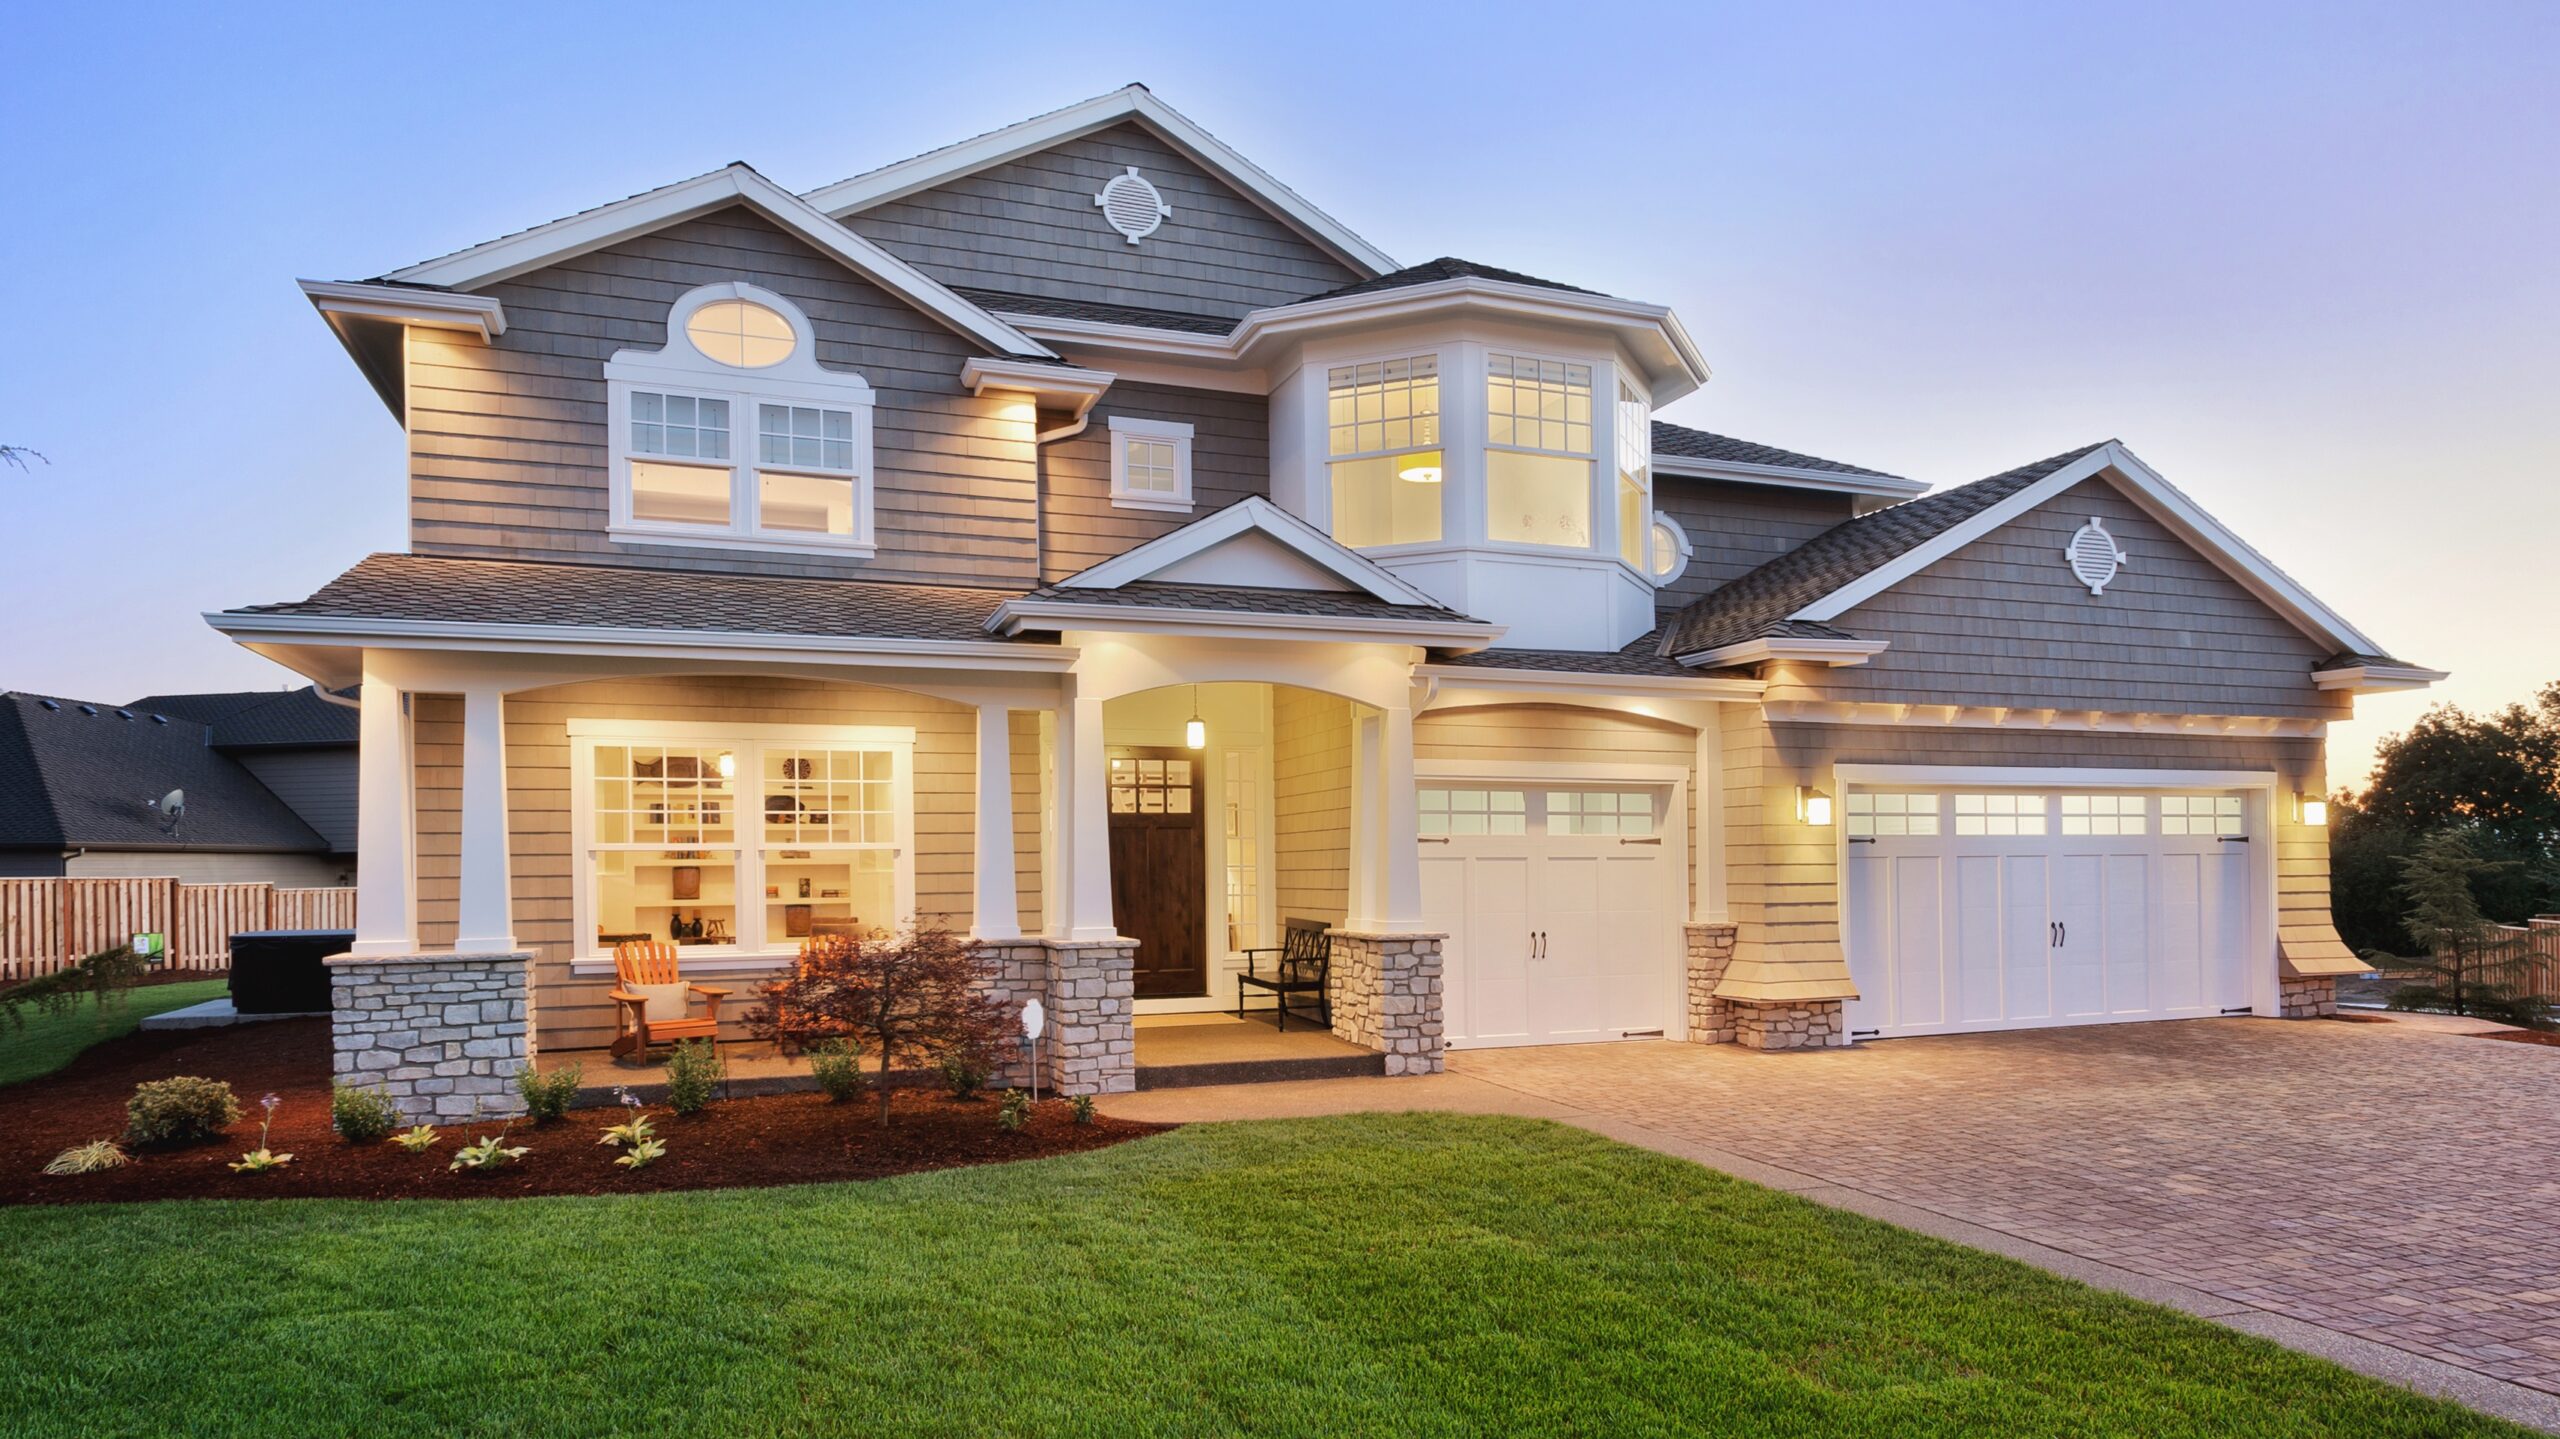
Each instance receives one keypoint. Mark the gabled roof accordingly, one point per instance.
(733, 184)
(1447, 267)
(261, 719)
(77, 774)
(1679, 442)
(1129, 103)
(1266, 522)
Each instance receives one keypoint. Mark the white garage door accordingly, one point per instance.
(1562, 907)
(2000, 909)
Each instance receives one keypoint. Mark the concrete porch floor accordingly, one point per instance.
(1177, 1051)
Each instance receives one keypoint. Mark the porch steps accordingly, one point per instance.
(1275, 1070)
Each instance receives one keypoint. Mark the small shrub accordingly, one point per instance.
(642, 1154)
(837, 1066)
(694, 1072)
(262, 1158)
(633, 1132)
(182, 1110)
(87, 1158)
(1015, 1112)
(361, 1116)
(1080, 1108)
(965, 1072)
(417, 1138)
(547, 1096)
(490, 1153)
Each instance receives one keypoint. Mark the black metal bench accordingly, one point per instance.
(1300, 964)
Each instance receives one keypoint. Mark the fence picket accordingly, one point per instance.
(48, 924)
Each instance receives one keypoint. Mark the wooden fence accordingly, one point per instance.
(2522, 957)
(48, 923)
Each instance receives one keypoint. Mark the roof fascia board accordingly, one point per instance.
(1016, 617)
(1833, 481)
(480, 315)
(1250, 514)
(1679, 368)
(251, 628)
(1835, 653)
(2377, 679)
(502, 259)
(1073, 386)
(1133, 102)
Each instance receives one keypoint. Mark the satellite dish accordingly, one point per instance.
(171, 806)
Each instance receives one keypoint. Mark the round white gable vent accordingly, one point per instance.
(2094, 557)
(1133, 206)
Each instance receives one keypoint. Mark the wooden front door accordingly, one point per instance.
(1159, 868)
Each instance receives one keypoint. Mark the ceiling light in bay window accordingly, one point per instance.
(1420, 468)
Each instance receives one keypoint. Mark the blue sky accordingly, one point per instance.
(2300, 257)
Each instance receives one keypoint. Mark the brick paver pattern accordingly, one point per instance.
(2395, 1185)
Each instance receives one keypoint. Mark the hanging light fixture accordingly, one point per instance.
(1422, 467)
(1196, 733)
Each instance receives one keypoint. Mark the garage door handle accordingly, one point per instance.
(1433, 839)
(1657, 839)
(2233, 838)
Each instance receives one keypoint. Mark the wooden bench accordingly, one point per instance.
(1300, 964)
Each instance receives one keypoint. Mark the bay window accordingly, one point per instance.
(1635, 476)
(1538, 452)
(1383, 440)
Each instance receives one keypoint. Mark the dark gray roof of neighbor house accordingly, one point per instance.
(518, 592)
(1671, 439)
(1445, 268)
(261, 719)
(1007, 302)
(79, 774)
(1756, 605)
(1643, 656)
(1249, 599)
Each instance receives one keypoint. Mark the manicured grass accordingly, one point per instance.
(1405, 1274)
(49, 1041)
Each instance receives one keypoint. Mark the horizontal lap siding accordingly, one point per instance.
(2003, 621)
(1310, 804)
(1735, 529)
(508, 444)
(1559, 734)
(1029, 226)
(1230, 460)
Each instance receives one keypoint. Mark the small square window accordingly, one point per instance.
(1150, 464)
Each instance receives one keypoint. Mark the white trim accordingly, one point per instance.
(479, 315)
(1736, 472)
(636, 643)
(1017, 616)
(1178, 433)
(1563, 771)
(2025, 717)
(505, 258)
(2157, 497)
(1077, 386)
(2371, 679)
(1133, 102)
(2054, 777)
(1252, 514)
(1664, 519)
(1529, 681)
(1818, 651)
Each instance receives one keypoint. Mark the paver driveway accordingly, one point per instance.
(2376, 1180)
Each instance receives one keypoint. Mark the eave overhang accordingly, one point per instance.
(1889, 487)
(1050, 616)
(371, 319)
(2375, 679)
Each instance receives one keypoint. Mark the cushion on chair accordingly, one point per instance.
(664, 1001)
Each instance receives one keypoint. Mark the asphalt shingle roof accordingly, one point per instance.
(260, 719)
(1249, 599)
(1447, 267)
(1756, 605)
(1671, 439)
(76, 773)
(1643, 656)
(1007, 302)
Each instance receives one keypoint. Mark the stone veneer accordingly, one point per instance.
(1386, 997)
(1088, 988)
(2315, 998)
(1710, 950)
(443, 1034)
(1789, 1024)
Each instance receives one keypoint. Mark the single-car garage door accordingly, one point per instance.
(1562, 909)
(1973, 909)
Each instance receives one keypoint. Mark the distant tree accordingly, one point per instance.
(18, 455)
(2462, 964)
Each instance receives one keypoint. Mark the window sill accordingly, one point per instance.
(696, 966)
(727, 540)
(1142, 502)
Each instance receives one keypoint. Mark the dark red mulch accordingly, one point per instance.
(2358, 1018)
(2522, 1036)
(774, 1139)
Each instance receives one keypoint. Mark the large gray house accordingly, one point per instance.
(1076, 534)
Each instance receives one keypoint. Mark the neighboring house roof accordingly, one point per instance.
(1447, 267)
(76, 774)
(1005, 302)
(1679, 441)
(261, 719)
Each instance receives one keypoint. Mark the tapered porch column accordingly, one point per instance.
(485, 912)
(1083, 839)
(1401, 899)
(386, 859)
(997, 913)
(1709, 857)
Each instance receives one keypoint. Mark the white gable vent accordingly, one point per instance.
(2094, 556)
(1132, 205)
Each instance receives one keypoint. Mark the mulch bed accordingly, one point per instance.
(2522, 1036)
(769, 1140)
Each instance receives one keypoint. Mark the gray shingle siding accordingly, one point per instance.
(1230, 459)
(1735, 529)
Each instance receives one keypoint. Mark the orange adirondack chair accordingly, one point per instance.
(652, 963)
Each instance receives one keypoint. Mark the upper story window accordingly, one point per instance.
(1635, 476)
(1150, 464)
(1383, 428)
(733, 436)
(1537, 452)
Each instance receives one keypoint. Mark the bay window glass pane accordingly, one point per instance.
(1632, 506)
(1537, 499)
(1538, 404)
(1374, 503)
(807, 888)
(804, 504)
(1635, 473)
(1383, 405)
(689, 896)
(679, 494)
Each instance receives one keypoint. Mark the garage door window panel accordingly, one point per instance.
(2106, 814)
(1885, 815)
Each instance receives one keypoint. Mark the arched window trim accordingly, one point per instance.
(1683, 550)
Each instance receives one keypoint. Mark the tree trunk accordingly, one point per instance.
(884, 1080)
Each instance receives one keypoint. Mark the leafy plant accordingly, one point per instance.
(837, 1066)
(964, 1073)
(87, 1158)
(262, 1158)
(179, 1110)
(110, 974)
(642, 1154)
(633, 1131)
(921, 992)
(417, 1138)
(1080, 1108)
(490, 1153)
(361, 1115)
(1015, 1111)
(548, 1096)
(694, 1073)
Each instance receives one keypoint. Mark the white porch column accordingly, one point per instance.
(1366, 897)
(1084, 823)
(1708, 855)
(998, 909)
(1401, 903)
(485, 913)
(386, 858)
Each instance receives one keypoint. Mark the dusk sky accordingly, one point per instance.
(2303, 259)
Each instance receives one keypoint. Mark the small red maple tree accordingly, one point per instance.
(921, 992)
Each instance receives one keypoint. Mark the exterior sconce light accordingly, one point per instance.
(1196, 733)
(2306, 810)
(1813, 806)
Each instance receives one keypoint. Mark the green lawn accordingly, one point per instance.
(49, 1041)
(1407, 1274)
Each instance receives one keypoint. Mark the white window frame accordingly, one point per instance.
(1129, 427)
(1594, 502)
(1442, 376)
(1631, 433)
(754, 948)
(798, 379)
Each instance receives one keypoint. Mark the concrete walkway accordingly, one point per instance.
(2380, 1194)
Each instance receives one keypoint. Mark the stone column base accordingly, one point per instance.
(2315, 998)
(1793, 1024)
(1018, 972)
(1710, 950)
(1386, 996)
(1092, 1043)
(443, 1034)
